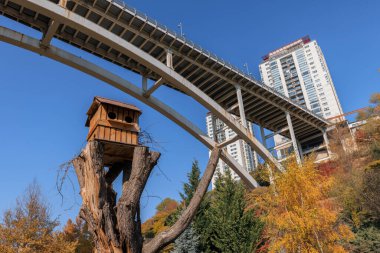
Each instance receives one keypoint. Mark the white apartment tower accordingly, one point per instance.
(239, 149)
(299, 71)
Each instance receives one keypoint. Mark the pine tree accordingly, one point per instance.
(188, 242)
(366, 240)
(230, 228)
(193, 181)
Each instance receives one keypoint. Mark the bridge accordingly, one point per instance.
(113, 31)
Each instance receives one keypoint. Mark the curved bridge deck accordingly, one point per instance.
(212, 75)
(113, 31)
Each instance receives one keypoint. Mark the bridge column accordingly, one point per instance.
(300, 150)
(241, 106)
(214, 131)
(255, 157)
(326, 141)
(244, 120)
(144, 83)
(293, 137)
(169, 58)
(263, 137)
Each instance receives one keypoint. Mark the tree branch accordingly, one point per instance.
(166, 237)
(129, 224)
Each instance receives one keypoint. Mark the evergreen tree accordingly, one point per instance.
(366, 240)
(190, 236)
(188, 242)
(230, 228)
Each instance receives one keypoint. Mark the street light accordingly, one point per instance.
(246, 67)
(180, 26)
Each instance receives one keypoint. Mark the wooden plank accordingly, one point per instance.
(124, 136)
(134, 139)
(103, 112)
(112, 134)
(118, 135)
(106, 133)
(120, 114)
(124, 113)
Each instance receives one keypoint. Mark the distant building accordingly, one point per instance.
(239, 149)
(299, 71)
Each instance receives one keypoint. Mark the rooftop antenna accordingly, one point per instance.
(180, 26)
(246, 67)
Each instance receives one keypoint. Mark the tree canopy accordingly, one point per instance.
(30, 228)
(298, 213)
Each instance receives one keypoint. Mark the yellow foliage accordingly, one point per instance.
(299, 215)
(157, 223)
(28, 228)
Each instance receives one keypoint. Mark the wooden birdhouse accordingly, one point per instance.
(116, 125)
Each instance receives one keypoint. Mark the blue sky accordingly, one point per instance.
(43, 103)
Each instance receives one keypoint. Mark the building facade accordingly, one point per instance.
(239, 149)
(299, 71)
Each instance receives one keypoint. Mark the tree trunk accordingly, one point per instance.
(116, 227)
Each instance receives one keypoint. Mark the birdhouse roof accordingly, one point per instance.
(99, 100)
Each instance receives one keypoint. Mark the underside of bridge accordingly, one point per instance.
(119, 34)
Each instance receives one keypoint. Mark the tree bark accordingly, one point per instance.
(128, 208)
(104, 216)
(116, 227)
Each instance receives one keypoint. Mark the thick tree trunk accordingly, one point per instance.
(116, 227)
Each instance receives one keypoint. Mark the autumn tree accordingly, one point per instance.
(30, 228)
(159, 222)
(298, 213)
(357, 179)
(372, 110)
(78, 232)
(230, 226)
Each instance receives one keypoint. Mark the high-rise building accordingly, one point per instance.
(239, 149)
(299, 71)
